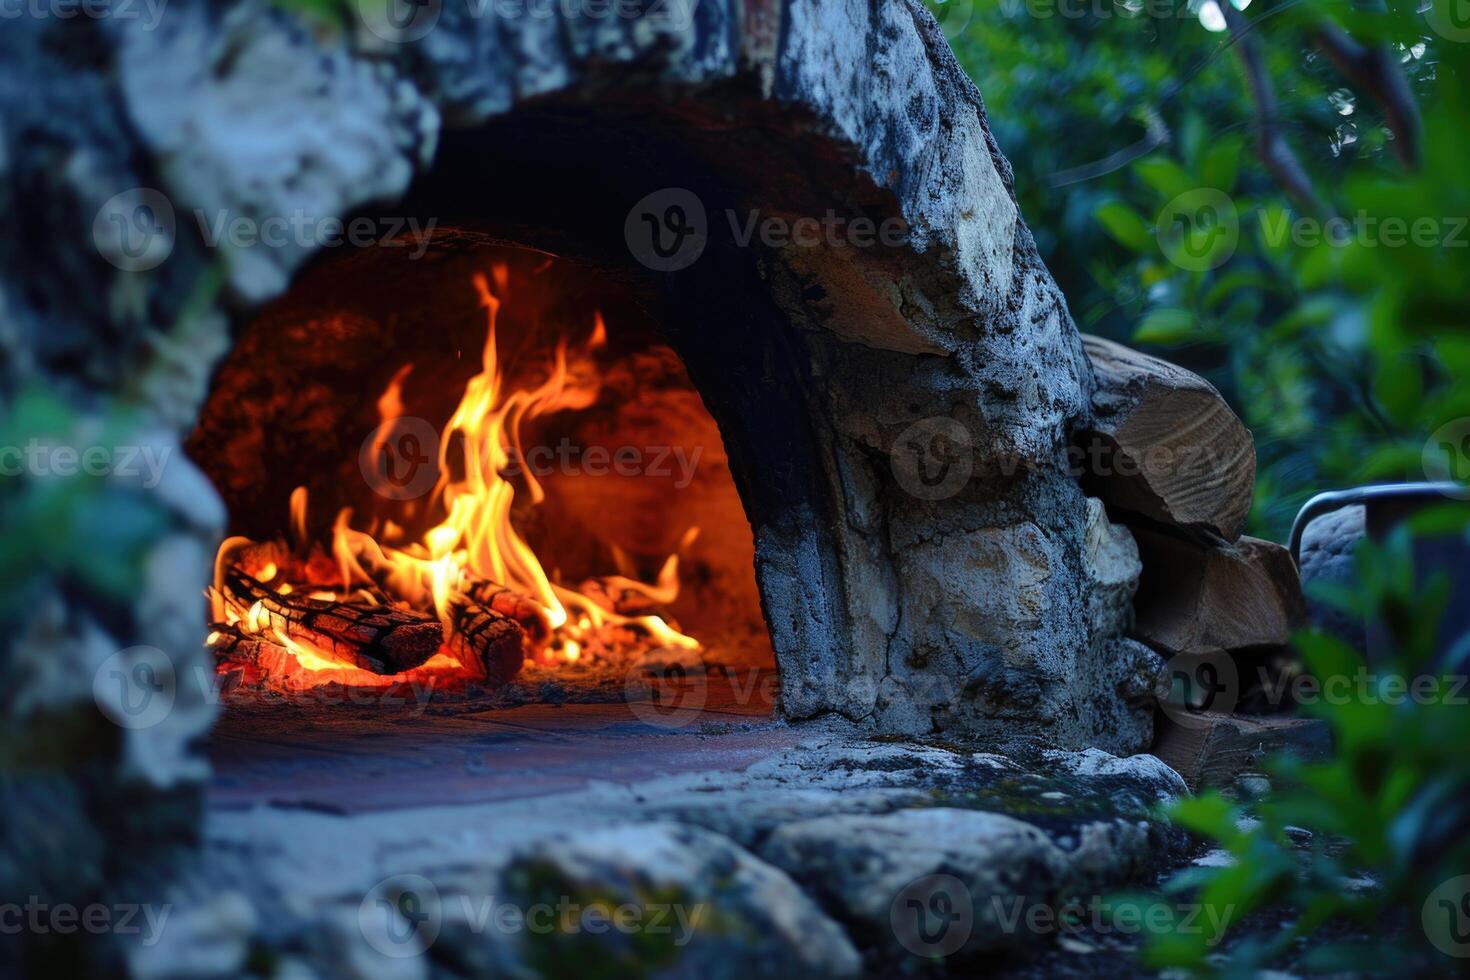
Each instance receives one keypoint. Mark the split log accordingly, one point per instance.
(1212, 749)
(247, 658)
(229, 642)
(610, 594)
(491, 638)
(381, 639)
(1199, 599)
(1168, 447)
(516, 606)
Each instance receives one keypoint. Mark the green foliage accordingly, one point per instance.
(1389, 810)
(1339, 345)
(1342, 345)
(72, 528)
(328, 16)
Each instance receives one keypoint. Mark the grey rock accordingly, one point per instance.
(729, 913)
(1110, 562)
(1328, 546)
(202, 936)
(252, 120)
(867, 867)
(1018, 837)
(1147, 772)
(1252, 786)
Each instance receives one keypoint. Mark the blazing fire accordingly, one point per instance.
(467, 600)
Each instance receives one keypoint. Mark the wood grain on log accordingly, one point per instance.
(1212, 749)
(248, 658)
(381, 639)
(1173, 450)
(1196, 598)
(513, 604)
(615, 598)
(492, 638)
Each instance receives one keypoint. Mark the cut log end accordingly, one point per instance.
(1200, 599)
(380, 639)
(490, 639)
(1169, 447)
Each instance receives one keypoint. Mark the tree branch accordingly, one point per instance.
(1280, 160)
(1378, 73)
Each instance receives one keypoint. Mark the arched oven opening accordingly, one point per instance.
(468, 478)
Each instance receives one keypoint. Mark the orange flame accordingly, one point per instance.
(476, 540)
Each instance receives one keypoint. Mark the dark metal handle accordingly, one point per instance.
(1326, 503)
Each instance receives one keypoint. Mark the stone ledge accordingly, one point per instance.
(755, 846)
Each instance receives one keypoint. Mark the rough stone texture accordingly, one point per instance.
(818, 376)
(861, 864)
(873, 810)
(1328, 546)
(248, 119)
(728, 896)
(1110, 561)
(204, 935)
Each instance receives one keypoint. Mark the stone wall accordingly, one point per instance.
(897, 416)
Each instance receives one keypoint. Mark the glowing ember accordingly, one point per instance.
(356, 617)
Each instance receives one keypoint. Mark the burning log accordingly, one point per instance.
(250, 658)
(489, 637)
(230, 642)
(513, 605)
(492, 596)
(611, 594)
(380, 639)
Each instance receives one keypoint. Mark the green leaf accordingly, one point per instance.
(1220, 163)
(1164, 176)
(1326, 655)
(1440, 520)
(1399, 387)
(1165, 325)
(1124, 225)
(1312, 312)
(1209, 815)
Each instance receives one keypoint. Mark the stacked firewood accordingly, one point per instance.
(1175, 464)
(489, 629)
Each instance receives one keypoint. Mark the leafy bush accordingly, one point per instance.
(1343, 347)
(1389, 810)
(1341, 351)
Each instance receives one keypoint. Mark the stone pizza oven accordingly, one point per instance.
(900, 413)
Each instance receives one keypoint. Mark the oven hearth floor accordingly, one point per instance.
(800, 838)
(353, 758)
